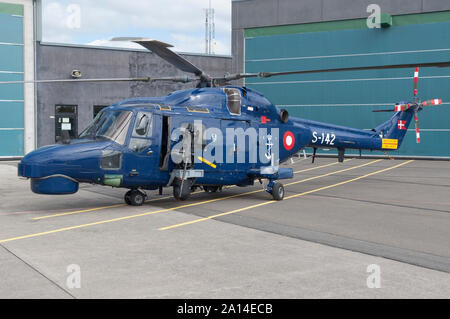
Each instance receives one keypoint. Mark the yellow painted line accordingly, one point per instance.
(204, 160)
(111, 220)
(332, 173)
(321, 166)
(166, 209)
(286, 198)
(155, 199)
(126, 217)
(77, 211)
(93, 209)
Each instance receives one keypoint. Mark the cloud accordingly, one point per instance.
(187, 43)
(182, 21)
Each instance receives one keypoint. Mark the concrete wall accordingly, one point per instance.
(57, 62)
(260, 13)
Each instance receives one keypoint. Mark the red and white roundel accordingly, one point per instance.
(288, 140)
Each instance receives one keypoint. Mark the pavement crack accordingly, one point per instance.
(38, 271)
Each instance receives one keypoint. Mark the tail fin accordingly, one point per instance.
(396, 127)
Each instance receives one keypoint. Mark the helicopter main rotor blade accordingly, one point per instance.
(384, 110)
(179, 79)
(238, 76)
(161, 49)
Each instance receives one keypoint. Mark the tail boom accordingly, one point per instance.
(387, 136)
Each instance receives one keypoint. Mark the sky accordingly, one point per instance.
(178, 22)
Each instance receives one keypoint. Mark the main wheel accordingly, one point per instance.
(278, 191)
(127, 198)
(135, 197)
(182, 193)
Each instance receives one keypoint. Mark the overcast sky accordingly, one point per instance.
(179, 22)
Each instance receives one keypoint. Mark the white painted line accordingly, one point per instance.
(353, 104)
(431, 130)
(12, 72)
(10, 43)
(346, 55)
(348, 80)
(10, 129)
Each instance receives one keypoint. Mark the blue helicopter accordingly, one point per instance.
(179, 140)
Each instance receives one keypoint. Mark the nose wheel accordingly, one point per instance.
(276, 189)
(135, 197)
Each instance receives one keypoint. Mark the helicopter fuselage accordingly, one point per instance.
(131, 144)
(208, 137)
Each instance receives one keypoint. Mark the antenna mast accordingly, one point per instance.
(210, 30)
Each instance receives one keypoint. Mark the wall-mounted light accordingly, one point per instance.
(76, 74)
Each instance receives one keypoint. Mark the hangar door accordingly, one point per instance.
(11, 69)
(348, 98)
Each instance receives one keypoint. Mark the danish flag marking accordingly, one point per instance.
(401, 125)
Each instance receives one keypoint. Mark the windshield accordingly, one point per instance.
(112, 125)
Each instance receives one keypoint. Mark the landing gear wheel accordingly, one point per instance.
(182, 194)
(211, 189)
(135, 198)
(127, 198)
(278, 191)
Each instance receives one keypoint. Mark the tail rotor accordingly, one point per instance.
(415, 106)
(416, 80)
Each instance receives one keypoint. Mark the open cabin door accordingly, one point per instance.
(164, 150)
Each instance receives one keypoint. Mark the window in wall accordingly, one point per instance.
(97, 109)
(65, 121)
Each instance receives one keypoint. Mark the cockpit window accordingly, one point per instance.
(112, 125)
(142, 133)
(143, 125)
(233, 100)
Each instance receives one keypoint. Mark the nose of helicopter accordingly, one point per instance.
(56, 169)
(34, 164)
